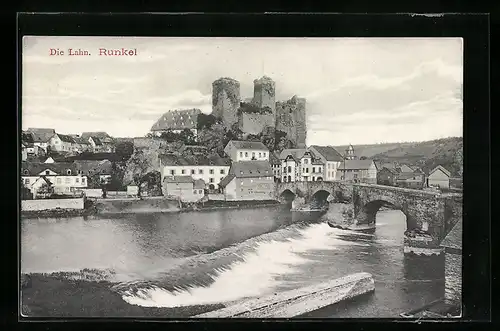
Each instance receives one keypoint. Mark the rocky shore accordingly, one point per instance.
(58, 295)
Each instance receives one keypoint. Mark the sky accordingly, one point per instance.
(358, 90)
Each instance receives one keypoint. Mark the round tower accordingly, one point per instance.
(226, 100)
(264, 93)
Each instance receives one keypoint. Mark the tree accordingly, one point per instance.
(124, 150)
(187, 137)
(205, 121)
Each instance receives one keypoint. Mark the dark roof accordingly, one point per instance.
(99, 134)
(355, 164)
(27, 137)
(257, 145)
(439, 167)
(296, 153)
(407, 175)
(66, 138)
(41, 137)
(391, 170)
(454, 238)
(273, 159)
(35, 168)
(178, 179)
(177, 120)
(215, 160)
(81, 140)
(226, 180)
(251, 169)
(42, 130)
(328, 152)
(317, 162)
(96, 140)
(88, 167)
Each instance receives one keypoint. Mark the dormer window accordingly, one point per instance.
(68, 172)
(47, 172)
(25, 171)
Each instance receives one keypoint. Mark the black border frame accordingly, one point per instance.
(473, 28)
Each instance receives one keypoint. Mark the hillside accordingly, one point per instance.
(427, 154)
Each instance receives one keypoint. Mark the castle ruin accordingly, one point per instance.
(263, 110)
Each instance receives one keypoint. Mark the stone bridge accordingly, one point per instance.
(432, 213)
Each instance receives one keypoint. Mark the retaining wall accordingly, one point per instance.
(46, 204)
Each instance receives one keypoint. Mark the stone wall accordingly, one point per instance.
(253, 123)
(453, 277)
(115, 206)
(226, 100)
(291, 119)
(48, 204)
(264, 93)
(453, 211)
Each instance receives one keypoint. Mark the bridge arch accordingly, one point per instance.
(368, 212)
(287, 196)
(320, 197)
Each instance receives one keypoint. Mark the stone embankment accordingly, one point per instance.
(298, 302)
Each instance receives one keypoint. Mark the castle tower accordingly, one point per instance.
(226, 100)
(264, 93)
(291, 119)
(349, 153)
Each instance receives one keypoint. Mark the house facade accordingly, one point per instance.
(100, 142)
(291, 164)
(63, 177)
(330, 158)
(275, 163)
(99, 170)
(183, 188)
(387, 176)
(363, 171)
(310, 168)
(414, 180)
(246, 151)
(41, 137)
(249, 180)
(63, 143)
(439, 177)
(210, 169)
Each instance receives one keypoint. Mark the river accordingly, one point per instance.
(221, 256)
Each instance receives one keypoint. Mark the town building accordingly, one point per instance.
(404, 168)
(100, 141)
(183, 188)
(28, 144)
(62, 143)
(275, 163)
(97, 171)
(41, 137)
(249, 180)
(63, 177)
(177, 121)
(330, 158)
(363, 171)
(246, 151)
(82, 144)
(439, 177)
(387, 176)
(212, 169)
(310, 168)
(414, 180)
(291, 164)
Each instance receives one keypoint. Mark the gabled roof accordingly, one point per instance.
(296, 153)
(42, 137)
(35, 168)
(27, 137)
(178, 179)
(251, 169)
(177, 120)
(407, 175)
(193, 160)
(66, 138)
(88, 167)
(405, 168)
(226, 180)
(328, 152)
(439, 167)
(356, 165)
(43, 178)
(96, 140)
(256, 145)
(99, 134)
(42, 130)
(391, 170)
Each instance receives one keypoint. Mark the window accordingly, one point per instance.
(27, 181)
(200, 171)
(306, 161)
(284, 169)
(211, 180)
(59, 181)
(67, 180)
(253, 154)
(355, 176)
(314, 169)
(195, 191)
(183, 171)
(83, 180)
(289, 169)
(47, 172)
(264, 154)
(260, 154)
(241, 154)
(246, 154)
(319, 169)
(172, 172)
(68, 172)
(77, 180)
(222, 172)
(192, 171)
(307, 170)
(211, 171)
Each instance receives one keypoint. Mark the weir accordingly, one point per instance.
(301, 301)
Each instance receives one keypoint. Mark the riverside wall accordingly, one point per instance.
(49, 204)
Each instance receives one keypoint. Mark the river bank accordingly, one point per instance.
(54, 295)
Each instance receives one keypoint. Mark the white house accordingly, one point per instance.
(41, 137)
(177, 121)
(63, 176)
(246, 151)
(184, 188)
(439, 177)
(62, 143)
(331, 159)
(249, 180)
(24, 151)
(291, 164)
(211, 169)
(363, 171)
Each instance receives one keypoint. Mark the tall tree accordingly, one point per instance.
(124, 150)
